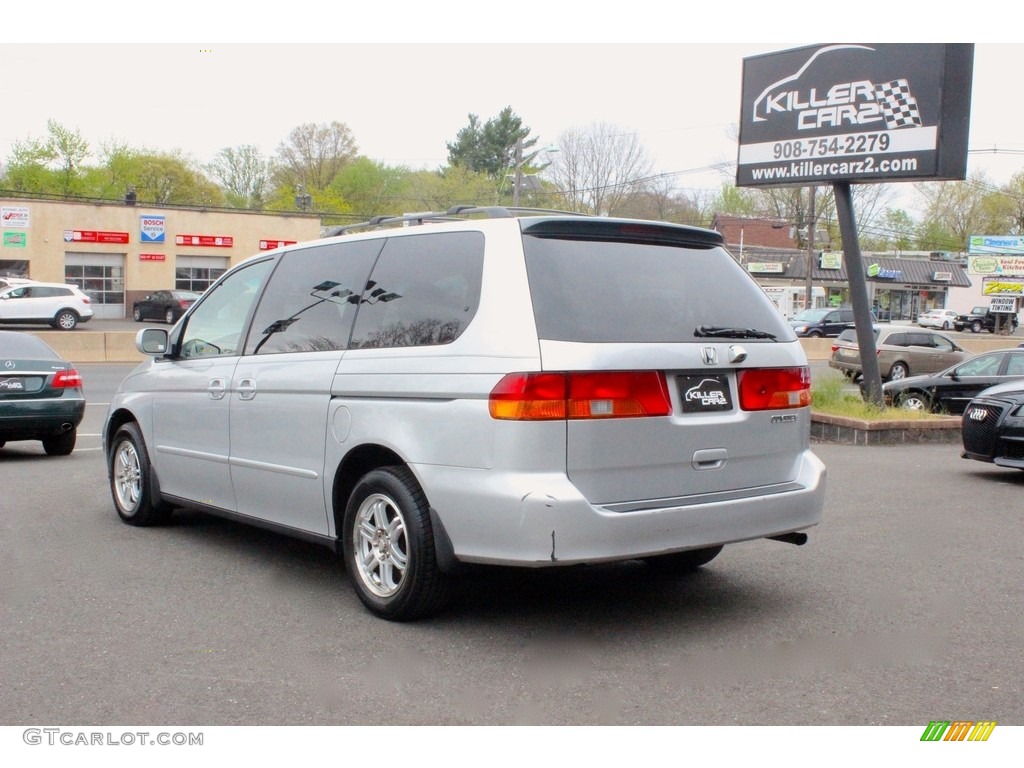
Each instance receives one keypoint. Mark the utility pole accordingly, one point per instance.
(517, 181)
(809, 287)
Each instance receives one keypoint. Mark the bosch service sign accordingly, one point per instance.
(855, 113)
(153, 229)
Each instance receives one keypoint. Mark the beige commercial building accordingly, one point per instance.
(118, 253)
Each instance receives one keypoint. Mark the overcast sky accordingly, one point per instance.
(404, 100)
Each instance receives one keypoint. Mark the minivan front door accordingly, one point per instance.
(191, 434)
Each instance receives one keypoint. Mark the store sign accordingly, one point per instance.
(942, 277)
(152, 257)
(995, 265)
(995, 244)
(153, 229)
(881, 273)
(831, 260)
(269, 245)
(205, 241)
(1004, 305)
(14, 216)
(869, 113)
(766, 267)
(15, 239)
(94, 236)
(1002, 288)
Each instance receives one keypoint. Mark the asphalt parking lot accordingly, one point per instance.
(901, 609)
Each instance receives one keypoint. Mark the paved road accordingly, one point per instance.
(903, 608)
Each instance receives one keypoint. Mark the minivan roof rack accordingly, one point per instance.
(455, 213)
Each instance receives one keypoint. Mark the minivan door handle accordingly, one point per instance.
(217, 389)
(246, 389)
(709, 458)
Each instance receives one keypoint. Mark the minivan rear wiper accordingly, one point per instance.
(732, 333)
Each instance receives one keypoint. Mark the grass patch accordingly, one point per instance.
(828, 397)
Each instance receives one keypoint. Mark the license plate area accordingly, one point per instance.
(20, 385)
(704, 393)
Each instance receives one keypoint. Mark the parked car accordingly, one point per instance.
(538, 391)
(41, 395)
(942, 319)
(823, 321)
(163, 305)
(7, 282)
(982, 318)
(992, 429)
(62, 306)
(950, 390)
(902, 352)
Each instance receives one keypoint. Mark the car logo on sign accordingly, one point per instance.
(978, 414)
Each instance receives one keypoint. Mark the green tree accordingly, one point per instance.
(50, 166)
(243, 174)
(490, 147)
(371, 188)
(312, 156)
(68, 150)
(157, 178)
(959, 209)
(455, 185)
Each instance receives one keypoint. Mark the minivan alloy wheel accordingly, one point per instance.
(127, 476)
(381, 545)
(388, 544)
(130, 472)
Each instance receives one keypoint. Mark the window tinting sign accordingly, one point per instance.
(702, 393)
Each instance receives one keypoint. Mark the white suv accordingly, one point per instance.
(541, 391)
(62, 306)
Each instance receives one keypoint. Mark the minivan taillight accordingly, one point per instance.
(576, 395)
(766, 389)
(65, 379)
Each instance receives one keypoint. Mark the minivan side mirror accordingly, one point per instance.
(151, 341)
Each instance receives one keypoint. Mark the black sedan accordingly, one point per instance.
(163, 305)
(40, 394)
(951, 390)
(993, 426)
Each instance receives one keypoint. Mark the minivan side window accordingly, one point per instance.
(311, 299)
(216, 325)
(424, 290)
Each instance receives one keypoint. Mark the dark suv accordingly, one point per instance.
(822, 321)
(984, 319)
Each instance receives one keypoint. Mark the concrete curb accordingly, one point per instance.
(840, 429)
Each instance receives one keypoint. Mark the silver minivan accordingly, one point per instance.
(529, 391)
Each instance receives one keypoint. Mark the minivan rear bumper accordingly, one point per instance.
(542, 520)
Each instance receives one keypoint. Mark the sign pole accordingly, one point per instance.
(862, 319)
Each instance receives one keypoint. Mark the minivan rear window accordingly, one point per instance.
(590, 290)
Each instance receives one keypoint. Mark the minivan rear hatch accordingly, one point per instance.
(619, 302)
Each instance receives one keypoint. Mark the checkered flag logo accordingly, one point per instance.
(899, 107)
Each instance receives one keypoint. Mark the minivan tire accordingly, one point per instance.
(169, 317)
(898, 371)
(388, 546)
(131, 479)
